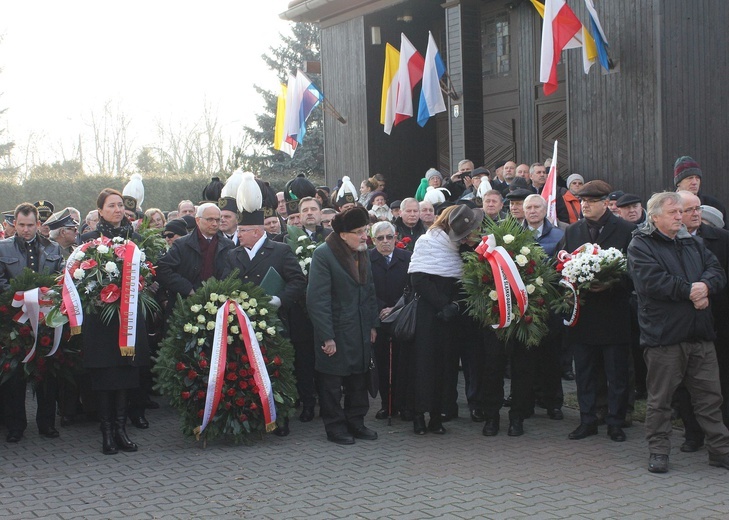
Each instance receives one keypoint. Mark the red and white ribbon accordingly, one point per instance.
(574, 316)
(72, 300)
(563, 257)
(218, 361)
(33, 308)
(217, 366)
(129, 299)
(506, 277)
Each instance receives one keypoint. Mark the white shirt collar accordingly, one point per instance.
(256, 247)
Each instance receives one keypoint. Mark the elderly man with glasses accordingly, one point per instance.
(390, 273)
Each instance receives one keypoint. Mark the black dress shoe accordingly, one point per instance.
(491, 427)
(555, 414)
(690, 445)
(307, 414)
(283, 431)
(478, 415)
(582, 431)
(381, 414)
(139, 421)
(436, 426)
(407, 415)
(13, 437)
(49, 432)
(364, 433)
(616, 433)
(516, 428)
(151, 405)
(419, 424)
(340, 438)
(568, 375)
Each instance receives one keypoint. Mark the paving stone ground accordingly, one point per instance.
(461, 475)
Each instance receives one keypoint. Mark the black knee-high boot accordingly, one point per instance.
(120, 423)
(108, 446)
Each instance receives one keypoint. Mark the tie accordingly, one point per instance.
(536, 232)
(387, 260)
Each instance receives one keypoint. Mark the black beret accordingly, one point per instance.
(176, 226)
(519, 194)
(627, 200)
(395, 204)
(480, 171)
(615, 195)
(595, 189)
(520, 182)
(353, 218)
(190, 222)
(499, 164)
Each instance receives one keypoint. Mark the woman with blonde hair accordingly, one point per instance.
(156, 218)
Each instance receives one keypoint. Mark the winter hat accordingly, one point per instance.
(463, 220)
(351, 219)
(575, 177)
(685, 167)
(433, 173)
(712, 216)
(595, 189)
(176, 226)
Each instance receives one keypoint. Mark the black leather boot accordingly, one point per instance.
(108, 446)
(120, 423)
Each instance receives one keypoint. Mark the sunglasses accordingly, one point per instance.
(169, 235)
(384, 237)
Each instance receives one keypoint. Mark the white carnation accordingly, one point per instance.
(213, 297)
(539, 281)
(79, 273)
(508, 239)
(530, 288)
(271, 331)
(118, 240)
(111, 268)
(525, 250)
(201, 319)
(302, 238)
(102, 249)
(299, 250)
(201, 342)
(235, 329)
(195, 329)
(259, 336)
(521, 260)
(263, 311)
(196, 308)
(494, 295)
(187, 327)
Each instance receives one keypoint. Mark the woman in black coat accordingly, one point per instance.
(435, 270)
(112, 375)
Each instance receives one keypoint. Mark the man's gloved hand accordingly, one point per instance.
(276, 301)
(448, 312)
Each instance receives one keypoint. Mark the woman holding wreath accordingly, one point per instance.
(113, 376)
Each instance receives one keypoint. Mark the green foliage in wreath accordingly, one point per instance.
(536, 270)
(16, 340)
(183, 363)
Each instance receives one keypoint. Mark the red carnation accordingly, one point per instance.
(230, 392)
(486, 279)
(243, 417)
(252, 371)
(243, 385)
(244, 358)
(88, 264)
(200, 413)
(45, 341)
(6, 367)
(265, 360)
(201, 394)
(528, 319)
(407, 240)
(253, 406)
(540, 302)
(203, 363)
(110, 293)
(232, 366)
(532, 263)
(231, 376)
(180, 366)
(400, 245)
(276, 373)
(185, 395)
(529, 270)
(191, 374)
(277, 361)
(242, 372)
(228, 406)
(240, 401)
(14, 350)
(4, 309)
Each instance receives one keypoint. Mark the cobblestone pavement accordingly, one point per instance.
(459, 475)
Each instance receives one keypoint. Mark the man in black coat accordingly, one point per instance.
(675, 275)
(408, 224)
(603, 327)
(687, 176)
(28, 248)
(716, 240)
(390, 273)
(195, 257)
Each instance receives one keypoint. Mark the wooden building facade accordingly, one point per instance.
(660, 101)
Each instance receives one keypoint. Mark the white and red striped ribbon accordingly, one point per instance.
(507, 279)
(218, 362)
(33, 308)
(72, 300)
(129, 299)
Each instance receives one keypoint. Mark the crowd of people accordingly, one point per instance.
(661, 334)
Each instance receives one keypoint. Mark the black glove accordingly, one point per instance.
(448, 312)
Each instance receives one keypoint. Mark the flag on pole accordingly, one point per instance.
(583, 40)
(549, 192)
(279, 141)
(431, 96)
(409, 74)
(301, 100)
(389, 87)
(598, 35)
(559, 27)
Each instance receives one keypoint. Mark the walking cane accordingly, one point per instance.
(389, 390)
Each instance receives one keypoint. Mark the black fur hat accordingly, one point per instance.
(351, 219)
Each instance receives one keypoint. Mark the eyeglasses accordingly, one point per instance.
(210, 220)
(384, 237)
(169, 235)
(693, 209)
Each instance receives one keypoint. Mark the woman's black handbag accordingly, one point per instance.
(403, 317)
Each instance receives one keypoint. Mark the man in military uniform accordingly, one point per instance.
(229, 218)
(9, 224)
(28, 249)
(63, 231)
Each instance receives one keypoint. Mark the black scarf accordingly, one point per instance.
(125, 229)
(595, 226)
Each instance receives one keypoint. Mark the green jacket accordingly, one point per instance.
(342, 309)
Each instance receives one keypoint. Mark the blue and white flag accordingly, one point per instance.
(598, 35)
(431, 96)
